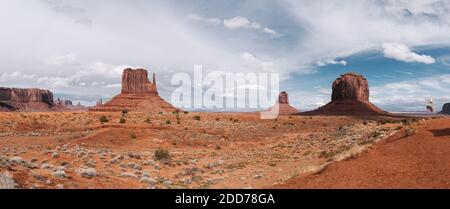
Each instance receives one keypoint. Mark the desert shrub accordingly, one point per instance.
(197, 117)
(218, 147)
(175, 112)
(122, 120)
(235, 120)
(148, 120)
(133, 135)
(104, 119)
(161, 154)
(178, 122)
(410, 131)
(365, 122)
(160, 113)
(168, 122)
(217, 119)
(125, 111)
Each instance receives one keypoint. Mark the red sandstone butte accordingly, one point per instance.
(138, 94)
(284, 108)
(16, 99)
(350, 97)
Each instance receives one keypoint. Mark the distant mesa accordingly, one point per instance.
(17, 99)
(446, 109)
(67, 105)
(284, 108)
(350, 96)
(137, 94)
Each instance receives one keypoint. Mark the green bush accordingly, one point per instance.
(104, 119)
(161, 154)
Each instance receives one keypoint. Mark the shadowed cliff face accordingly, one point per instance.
(350, 86)
(446, 109)
(26, 99)
(136, 82)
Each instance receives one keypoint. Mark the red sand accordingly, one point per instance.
(418, 161)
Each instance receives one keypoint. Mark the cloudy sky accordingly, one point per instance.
(78, 48)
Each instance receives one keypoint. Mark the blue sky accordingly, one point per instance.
(77, 49)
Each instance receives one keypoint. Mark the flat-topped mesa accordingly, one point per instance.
(135, 81)
(446, 109)
(350, 96)
(350, 86)
(17, 99)
(138, 94)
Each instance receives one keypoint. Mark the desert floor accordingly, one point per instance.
(421, 160)
(221, 150)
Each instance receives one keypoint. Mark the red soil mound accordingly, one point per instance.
(417, 161)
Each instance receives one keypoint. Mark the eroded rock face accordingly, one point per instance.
(138, 94)
(25, 99)
(350, 86)
(282, 106)
(446, 109)
(350, 97)
(283, 98)
(136, 82)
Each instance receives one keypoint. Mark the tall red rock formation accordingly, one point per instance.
(350, 96)
(350, 86)
(138, 94)
(136, 81)
(16, 99)
(284, 108)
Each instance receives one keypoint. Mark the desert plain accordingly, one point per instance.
(220, 150)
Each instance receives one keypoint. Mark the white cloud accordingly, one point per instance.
(252, 60)
(334, 29)
(61, 60)
(412, 95)
(325, 62)
(401, 52)
(243, 22)
(240, 22)
(211, 21)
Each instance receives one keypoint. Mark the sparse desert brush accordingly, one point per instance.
(186, 112)
(175, 112)
(197, 117)
(410, 131)
(168, 122)
(218, 147)
(122, 120)
(235, 120)
(133, 135)
(147, 120)
(161, 154)
(217, 119)
(104, 119)
(160, 113)
(178, 121)
(365, 122)
(125, 111)
(375, 134)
